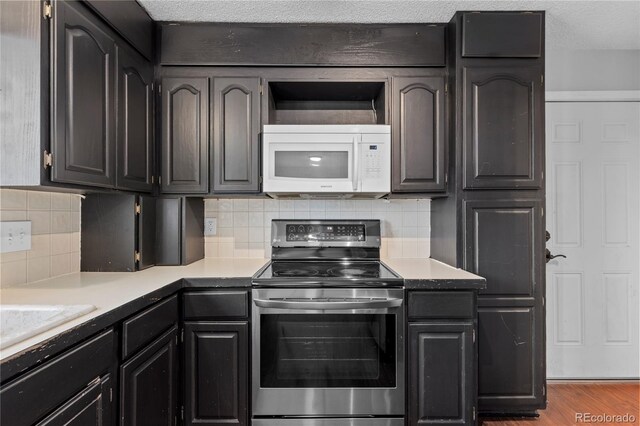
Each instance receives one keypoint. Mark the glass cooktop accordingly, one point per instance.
(328, 272)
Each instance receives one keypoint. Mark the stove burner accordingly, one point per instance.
(293, 272)
(351, 272)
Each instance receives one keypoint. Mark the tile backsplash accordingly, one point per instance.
(55, 240)
(244, 225)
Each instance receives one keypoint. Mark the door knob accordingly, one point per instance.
(548, 256)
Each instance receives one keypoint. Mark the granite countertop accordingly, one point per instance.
(118, 295)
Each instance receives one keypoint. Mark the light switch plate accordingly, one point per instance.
(15, 236)
(210, 226)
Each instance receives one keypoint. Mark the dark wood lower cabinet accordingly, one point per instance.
(89, 407)
(149, 384)
(441, 374)
(216, 373)
(73, 388)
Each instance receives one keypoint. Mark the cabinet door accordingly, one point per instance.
(236, 141)
(418, 134)
(90, 407)
(135, 122)
(503, 242)
(216, 368)
(83, 112)
(511, 364)
(503, 125)
(147, 232)
(441, 374)
(185, 135)
(149, 384)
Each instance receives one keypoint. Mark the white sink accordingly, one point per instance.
(20, 322)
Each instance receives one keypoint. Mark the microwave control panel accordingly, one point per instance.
(372, 166)
(375, 163)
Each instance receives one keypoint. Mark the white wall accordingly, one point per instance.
(578, 70)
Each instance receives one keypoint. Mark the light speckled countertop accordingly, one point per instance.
(111, 290)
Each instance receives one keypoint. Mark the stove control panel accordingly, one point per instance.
(325, 232)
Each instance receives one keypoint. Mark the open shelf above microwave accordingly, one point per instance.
(327, 102)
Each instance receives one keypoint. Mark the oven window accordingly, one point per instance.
(328, 350)
(312, 164)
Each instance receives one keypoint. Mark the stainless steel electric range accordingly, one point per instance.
(328, 328)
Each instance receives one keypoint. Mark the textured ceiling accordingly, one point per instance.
(571, 24)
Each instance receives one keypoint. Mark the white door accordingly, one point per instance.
(593, 188)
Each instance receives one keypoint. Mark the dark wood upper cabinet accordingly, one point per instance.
(418, 140)
(504, 243)
(503, 127)
(441, 369)
(216, 373)
(235, 163)
(185, 135)
(134, 146)
(503, 34)
(84, 93)
(149, 384)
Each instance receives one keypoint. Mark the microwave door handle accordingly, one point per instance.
(355, 163)
(313, 305)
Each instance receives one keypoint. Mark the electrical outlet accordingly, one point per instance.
(210, 226)
(15, 236)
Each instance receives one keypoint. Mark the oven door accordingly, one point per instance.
(311, 162)
(328, 352)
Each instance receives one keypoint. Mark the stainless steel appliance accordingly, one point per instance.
(327, 328)
(327, 160)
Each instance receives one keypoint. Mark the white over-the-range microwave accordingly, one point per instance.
(327, 161)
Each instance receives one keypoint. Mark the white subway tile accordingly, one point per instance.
(301, 215)
(60, 264)
(225, 249)
(211, 249)
(362, 205)
(256, 218)
(211, 205)
(225, 205)
(318, 215)
(240, 218)
(60, 243)
(271, 205)
(241, 250)
(256, 205)
(13, 273)
(225, 219)
(40, 246)
(409, 247)
(60, 201)
(240, 205)
(39, 200)
(13, 199)
(347, 205)
(256, 234)
(256, 250)
(241, 234)
(301, 205)
(424, 204)
(316, 205)
(286, 205)
(40, 222)
(61, 222)
(332, 205)
(410, 218)
(394, 248)
(38, 269)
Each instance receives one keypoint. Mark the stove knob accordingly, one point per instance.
(292, 236)
(301, 228)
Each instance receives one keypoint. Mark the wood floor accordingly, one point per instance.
(567, 399)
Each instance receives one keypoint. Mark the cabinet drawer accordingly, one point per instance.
(502, 35)
(216, 304)
(146, 326)
(30, 397)
(441, 304)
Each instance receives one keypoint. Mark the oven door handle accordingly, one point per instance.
(326, 306)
